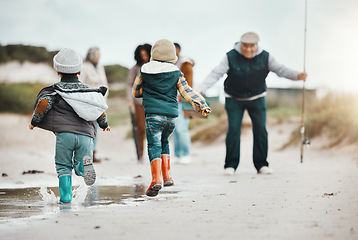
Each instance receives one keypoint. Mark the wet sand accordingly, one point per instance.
(314, 200)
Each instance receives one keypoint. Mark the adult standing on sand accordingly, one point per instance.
(247, 66)
(94, 75)
(181, 135)
(141, 56)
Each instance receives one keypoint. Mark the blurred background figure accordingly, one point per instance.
(181, 135)
(93, 75)
(141, 56)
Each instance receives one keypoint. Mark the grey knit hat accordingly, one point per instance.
(67, 61)
(250, 38)
(164, 50)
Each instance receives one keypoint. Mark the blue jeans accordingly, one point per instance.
(158, 130)
(181, 135)
(71, 148)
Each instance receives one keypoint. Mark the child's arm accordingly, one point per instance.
(193, 97)
(102, 122)
(43, 106)
(137, 89)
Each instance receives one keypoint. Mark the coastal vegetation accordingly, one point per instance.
(334, 116)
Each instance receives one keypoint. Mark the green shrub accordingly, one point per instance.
(335, 116)
(117, 113)
(120, 93)
(3, 55)
(116, 73)
(23, 53)
(19, 97)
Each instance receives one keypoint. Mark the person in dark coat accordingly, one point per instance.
(247, 66)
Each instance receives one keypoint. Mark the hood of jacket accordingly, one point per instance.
(89, 104)
(155, 67)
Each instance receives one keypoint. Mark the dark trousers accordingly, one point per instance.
(257, 111)
(140, 124)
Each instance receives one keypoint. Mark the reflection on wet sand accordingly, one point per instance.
(27, 202)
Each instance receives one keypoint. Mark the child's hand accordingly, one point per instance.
(205, 111)
(31, 127)
(107, 129)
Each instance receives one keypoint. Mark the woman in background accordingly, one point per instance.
(141, 56)
(93, 75)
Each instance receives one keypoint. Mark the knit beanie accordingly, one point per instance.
(67, 61)
(164, 50)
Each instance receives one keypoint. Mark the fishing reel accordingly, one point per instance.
(305, 141)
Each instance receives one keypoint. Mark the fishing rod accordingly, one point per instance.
(304, 140)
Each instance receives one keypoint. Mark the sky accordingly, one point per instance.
(206, 30)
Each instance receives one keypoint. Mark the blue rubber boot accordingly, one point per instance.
(65, 187)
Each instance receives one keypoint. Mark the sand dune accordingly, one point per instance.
(14, 72)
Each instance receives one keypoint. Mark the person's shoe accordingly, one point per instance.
(156, 184)
(265, 170)
(89, 174)
(65, 187)
(95, 160)
(185, 160)
(229, 171)
(167, 177)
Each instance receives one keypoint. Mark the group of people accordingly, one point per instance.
(159, 86)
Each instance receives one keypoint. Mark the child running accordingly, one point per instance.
(70, 109)
(158, 83)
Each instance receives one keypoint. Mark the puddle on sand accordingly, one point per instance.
(27, 202)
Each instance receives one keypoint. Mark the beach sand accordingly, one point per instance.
(316, 199)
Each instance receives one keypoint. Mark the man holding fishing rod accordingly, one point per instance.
(247, 66)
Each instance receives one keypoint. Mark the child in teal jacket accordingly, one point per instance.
(158, 83)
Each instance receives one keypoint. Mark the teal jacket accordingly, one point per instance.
(246, 77)
(160, 81)
(225, 68)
